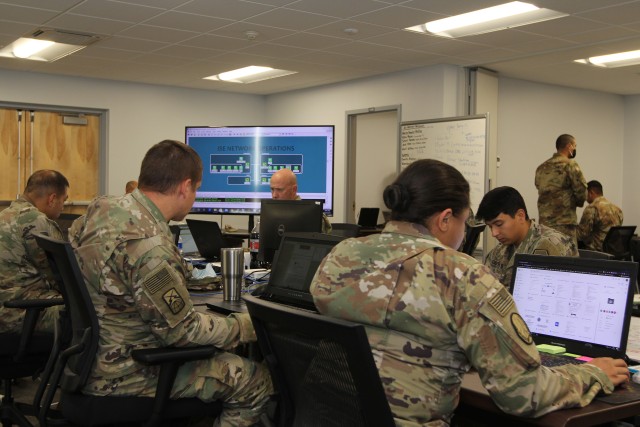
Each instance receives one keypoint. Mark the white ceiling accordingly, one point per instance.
(178, 42)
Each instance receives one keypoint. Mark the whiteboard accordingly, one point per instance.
(458, 141)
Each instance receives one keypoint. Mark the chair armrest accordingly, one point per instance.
(156, 356)
(169, 359)
(33, 303)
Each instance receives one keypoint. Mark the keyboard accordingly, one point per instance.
(551, 360)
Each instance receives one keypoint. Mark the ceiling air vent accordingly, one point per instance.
(64, 36)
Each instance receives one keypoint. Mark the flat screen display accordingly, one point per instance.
(238, 163)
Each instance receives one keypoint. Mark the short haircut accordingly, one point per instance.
(167, 164)
(424, 188)
(563, 140)
(595, 186)
(506, 200)
(46, 181)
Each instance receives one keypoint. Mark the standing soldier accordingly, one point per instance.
(561, 188)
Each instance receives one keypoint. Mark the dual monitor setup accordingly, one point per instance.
(238, 162)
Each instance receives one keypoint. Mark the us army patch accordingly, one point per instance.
(165, 288)
(501, 302)
(521, 328)
(173, 300)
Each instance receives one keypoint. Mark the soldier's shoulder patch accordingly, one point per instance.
(521, 328)
(174, 301)
(166, 289)
(501, 302)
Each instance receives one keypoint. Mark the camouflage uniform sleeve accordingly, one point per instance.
(587, 223)
(41, 225)
(164, 304)
(498, 344)
(578, 184)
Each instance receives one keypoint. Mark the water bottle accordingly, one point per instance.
(254, 245)
(180, 244)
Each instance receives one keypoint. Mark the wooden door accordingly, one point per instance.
(47, 142)
(10, 155)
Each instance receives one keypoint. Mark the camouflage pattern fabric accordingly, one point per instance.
(431, 313)
(136, 280)
(561, 188)
(24, 269)
(540, 240)
(597, 219)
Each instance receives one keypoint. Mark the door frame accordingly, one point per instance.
(351, 118)
(103, 116)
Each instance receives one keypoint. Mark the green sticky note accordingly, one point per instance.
(551, 349)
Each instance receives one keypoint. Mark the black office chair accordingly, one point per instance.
(345, 229)
(75, 363)
(175, 232)
(472, 238)
(322, 368)
(64, 221)
(23, 354)
(617, 242)
(587, 253)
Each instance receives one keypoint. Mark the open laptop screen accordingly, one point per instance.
(581, 304)
(294, 266)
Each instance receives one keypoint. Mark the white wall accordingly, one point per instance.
(139, 115)
(631, 165)
(533, 115)
(424, 93)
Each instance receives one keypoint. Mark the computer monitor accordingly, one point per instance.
(280, 216)
(239, 161)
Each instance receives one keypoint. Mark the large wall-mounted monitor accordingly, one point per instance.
(238, 163)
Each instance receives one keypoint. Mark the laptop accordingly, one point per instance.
(368, 217)
(208, 239)
(582, 305)
(294, 265)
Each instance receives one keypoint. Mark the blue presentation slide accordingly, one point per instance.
(245, 164)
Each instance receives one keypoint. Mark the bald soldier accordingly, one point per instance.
(597, 218)
(24, 269)
(505, 213)
(136, 280)
(284, 186)
(561, 188)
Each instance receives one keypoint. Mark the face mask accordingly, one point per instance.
(573, 154)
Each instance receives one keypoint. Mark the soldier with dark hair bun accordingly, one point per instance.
(432, 313)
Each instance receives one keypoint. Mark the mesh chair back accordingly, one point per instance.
(322, 368)
(618, 240)
(472, 237)
(84, 321)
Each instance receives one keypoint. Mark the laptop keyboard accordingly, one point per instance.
(551, 360)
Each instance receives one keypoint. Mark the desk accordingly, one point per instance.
(474, 399)
(240, 234)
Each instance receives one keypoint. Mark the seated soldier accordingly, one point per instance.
(504, 212)
(597, 218)
(24, 269)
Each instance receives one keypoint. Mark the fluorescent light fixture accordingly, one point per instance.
(38, 50)
(501, 17)
(614, 60)
(250, 74)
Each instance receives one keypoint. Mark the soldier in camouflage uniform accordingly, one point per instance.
(597, 218)
(136, 280)
(284, 186)
(24, 269)
(431, 313)
(505, 213)
(561, 188)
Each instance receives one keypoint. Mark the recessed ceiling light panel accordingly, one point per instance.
(501, 17)
(250, 74)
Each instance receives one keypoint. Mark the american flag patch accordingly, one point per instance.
(158, 281)
(501, 302)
